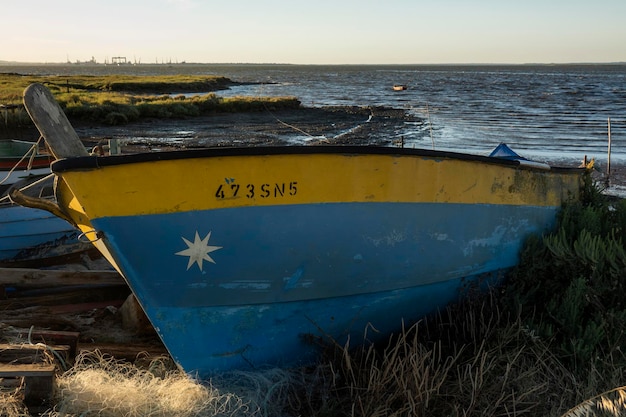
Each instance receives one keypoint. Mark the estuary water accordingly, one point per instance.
(549, 113)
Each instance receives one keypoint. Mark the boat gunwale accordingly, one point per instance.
(10, 162)
(89, 162)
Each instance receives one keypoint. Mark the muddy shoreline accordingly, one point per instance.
(328, 125)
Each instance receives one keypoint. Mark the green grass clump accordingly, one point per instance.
(117, 100)
(160, 84)
(12, 85)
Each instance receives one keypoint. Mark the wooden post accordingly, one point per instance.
(114, 148)
(608, 164)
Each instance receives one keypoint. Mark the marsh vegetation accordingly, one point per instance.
(117, 100)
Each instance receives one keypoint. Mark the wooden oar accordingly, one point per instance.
(52, 123)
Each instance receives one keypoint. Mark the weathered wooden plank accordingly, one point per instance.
(40, 278)
(27, 353)
(26, 369)
(73, 254)
(52, 123)
(49, 337)
(56, 300)
(41, 317)
(82, 307)
(128, 352)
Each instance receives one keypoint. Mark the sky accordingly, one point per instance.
(315, 31)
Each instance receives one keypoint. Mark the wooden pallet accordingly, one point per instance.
(49, 337)
(35, 353)
(31, 368)
(37, 380)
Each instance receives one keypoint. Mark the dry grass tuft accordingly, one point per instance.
(480, 363)
(268, 391)
(610, 403)
(11, 405)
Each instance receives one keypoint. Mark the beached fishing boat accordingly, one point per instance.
(35, 237)
(31, 237)
(22, 154)
(247, 257)
(20, 159)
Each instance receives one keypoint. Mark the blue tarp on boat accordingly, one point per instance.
(504, 152)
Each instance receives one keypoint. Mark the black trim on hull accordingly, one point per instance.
(88, 162)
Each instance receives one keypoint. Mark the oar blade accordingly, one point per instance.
(52, 122)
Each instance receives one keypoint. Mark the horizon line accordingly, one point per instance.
(87, 63)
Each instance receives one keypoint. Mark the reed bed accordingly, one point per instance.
(480, 362)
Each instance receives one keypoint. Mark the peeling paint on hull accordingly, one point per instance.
(205, 340)
(308, 252)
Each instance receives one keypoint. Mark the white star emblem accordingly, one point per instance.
(198, 251)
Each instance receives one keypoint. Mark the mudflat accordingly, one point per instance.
(327, 125)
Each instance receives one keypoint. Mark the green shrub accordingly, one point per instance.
(116, 118)
(570, 285)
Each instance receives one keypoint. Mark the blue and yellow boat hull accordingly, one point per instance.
(250, 257)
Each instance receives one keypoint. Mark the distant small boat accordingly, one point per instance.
(399, 87)
(249, 257)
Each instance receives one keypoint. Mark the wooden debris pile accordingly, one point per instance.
(47, 317)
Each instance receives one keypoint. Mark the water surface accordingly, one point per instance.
(550, 113)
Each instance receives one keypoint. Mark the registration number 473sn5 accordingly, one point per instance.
(260, 190)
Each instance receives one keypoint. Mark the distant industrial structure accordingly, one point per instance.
(118, 60)
(122, 60)
(91, 61)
